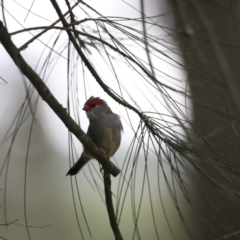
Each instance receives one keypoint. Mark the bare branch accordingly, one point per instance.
(110, 209)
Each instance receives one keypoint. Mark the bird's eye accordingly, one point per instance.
(93, 105)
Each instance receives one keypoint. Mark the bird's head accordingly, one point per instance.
(95, 108)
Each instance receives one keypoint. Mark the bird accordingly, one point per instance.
(105, 129)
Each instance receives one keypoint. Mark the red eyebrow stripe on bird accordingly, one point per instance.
(95, 101)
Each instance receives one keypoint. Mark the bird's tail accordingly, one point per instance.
(79, 164)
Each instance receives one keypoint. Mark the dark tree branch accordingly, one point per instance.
(47, 96)
(110, 208)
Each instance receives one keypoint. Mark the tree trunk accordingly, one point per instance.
(199, 23)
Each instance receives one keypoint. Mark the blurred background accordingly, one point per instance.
(179, 179)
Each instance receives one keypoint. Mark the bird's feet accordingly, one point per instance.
(102, 151)
(101, 168)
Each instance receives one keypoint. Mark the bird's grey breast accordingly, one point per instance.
(106, 132)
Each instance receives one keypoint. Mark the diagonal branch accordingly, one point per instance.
(89, 66)
(47, 96)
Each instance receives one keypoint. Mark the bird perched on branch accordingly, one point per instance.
(104, 129)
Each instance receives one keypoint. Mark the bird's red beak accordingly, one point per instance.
(86, 108)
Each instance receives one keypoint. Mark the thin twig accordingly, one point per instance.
(143, 68)
(110, 208)
(25, 45)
